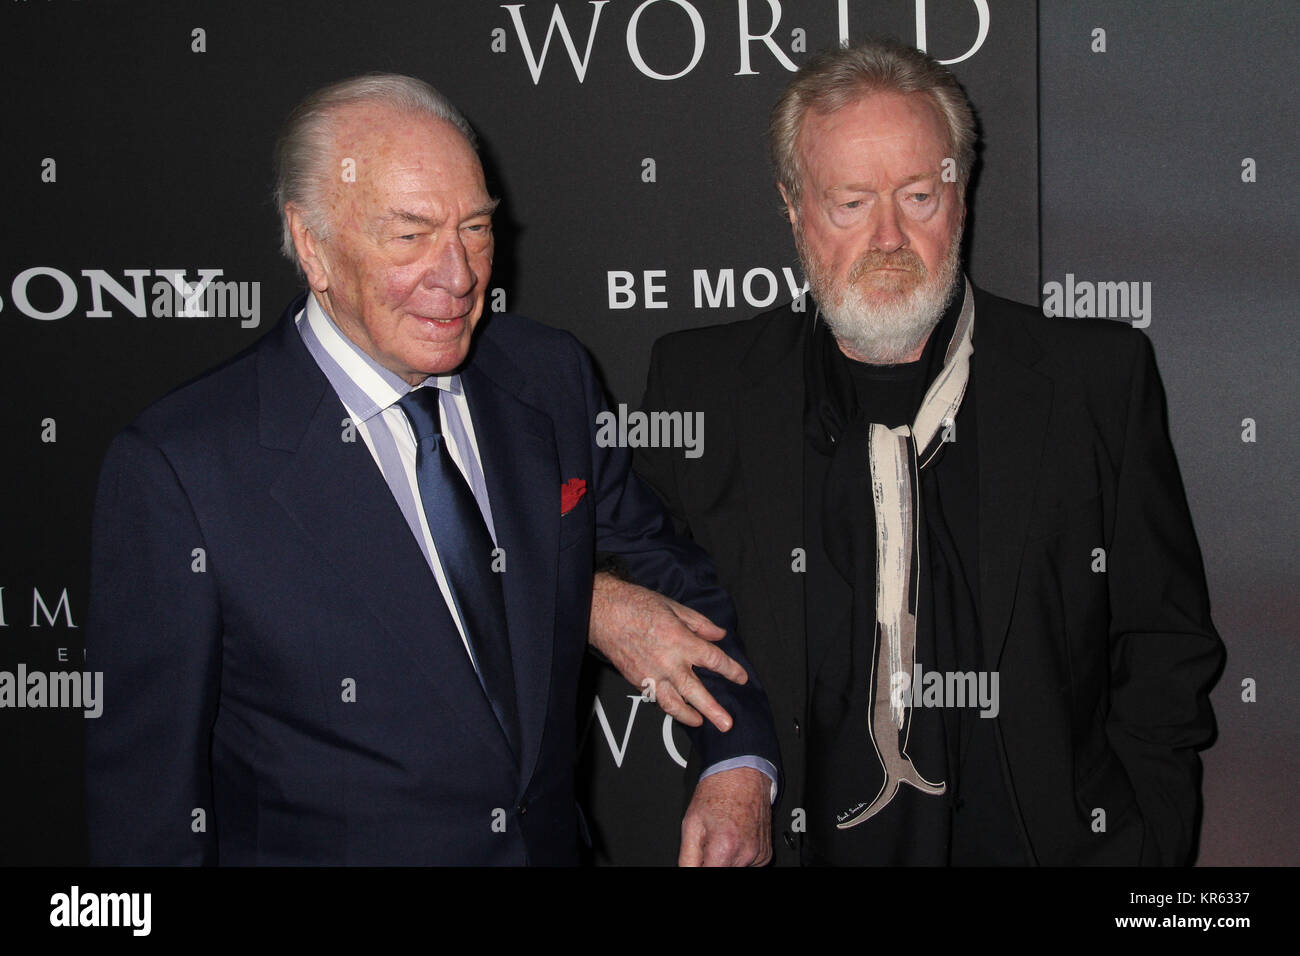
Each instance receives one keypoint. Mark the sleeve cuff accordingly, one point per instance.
(764, 767)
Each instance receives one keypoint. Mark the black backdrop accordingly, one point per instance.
(137, 139)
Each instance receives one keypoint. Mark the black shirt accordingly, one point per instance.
(972, 823)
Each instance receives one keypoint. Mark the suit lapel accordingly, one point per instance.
(1013, 404)
(769, 417)
(516, 444)
(335, 493)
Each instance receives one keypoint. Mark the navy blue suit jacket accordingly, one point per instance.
(283, 681)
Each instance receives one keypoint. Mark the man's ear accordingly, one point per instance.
(790, 211)
(311, 254)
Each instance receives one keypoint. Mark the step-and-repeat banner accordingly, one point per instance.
(626, 139)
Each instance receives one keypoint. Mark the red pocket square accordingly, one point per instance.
(570, 493)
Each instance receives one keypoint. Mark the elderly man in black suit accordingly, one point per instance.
(954, 528)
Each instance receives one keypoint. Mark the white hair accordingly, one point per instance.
(841, 76)
(303, 153)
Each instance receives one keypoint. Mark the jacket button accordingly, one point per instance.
(798, 731)
(789, 839)
(522, 809)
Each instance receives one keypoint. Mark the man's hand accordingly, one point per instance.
(729, 821)
(654, 642)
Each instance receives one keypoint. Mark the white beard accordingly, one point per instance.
(890, 332)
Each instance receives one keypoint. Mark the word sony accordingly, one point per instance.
(924, 688)
(653, 430)
(1100, 300)
(103, 909)
(170, 295)
(71, 689)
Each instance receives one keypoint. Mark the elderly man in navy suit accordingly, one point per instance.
(341, 585)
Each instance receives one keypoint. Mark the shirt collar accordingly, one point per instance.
(374, 388)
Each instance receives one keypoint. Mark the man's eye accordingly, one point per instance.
(921, 197)
(852, 204)
(479, 227)
(408, 238)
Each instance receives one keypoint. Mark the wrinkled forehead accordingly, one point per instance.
(377, 149)
(358, 124)
(874, 121)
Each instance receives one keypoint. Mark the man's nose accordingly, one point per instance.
(450, 268)
(886, 234)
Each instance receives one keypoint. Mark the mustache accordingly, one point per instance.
(874, 259)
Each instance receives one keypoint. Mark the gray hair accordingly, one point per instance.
(838, 77)
(303, 153)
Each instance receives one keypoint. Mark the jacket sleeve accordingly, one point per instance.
(1164, 651)
(631, 523)
(154, 631)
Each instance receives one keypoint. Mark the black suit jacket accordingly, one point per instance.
(283, 681)
(1104, 677)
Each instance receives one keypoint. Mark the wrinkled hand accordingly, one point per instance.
(729, 821)
(654, 642)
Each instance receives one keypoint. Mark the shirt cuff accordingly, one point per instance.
(765, 767)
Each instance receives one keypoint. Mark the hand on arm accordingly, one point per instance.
(654, 642)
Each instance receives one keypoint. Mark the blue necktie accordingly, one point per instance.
(465, 552)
